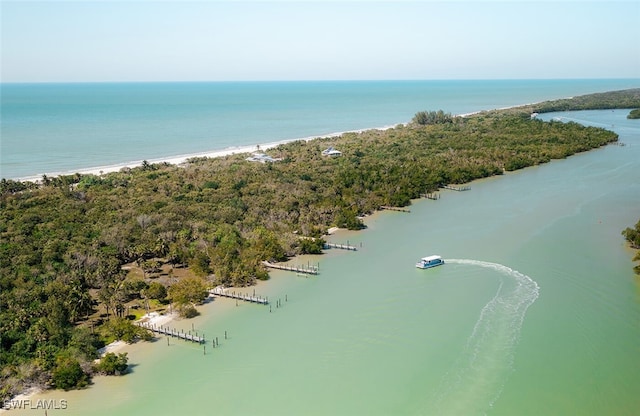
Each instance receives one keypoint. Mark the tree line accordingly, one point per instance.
(64, 241)
(632, 235)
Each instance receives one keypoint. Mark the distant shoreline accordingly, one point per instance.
(182, 159)
(207, 124)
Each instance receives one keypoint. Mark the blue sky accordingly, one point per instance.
(143, 40)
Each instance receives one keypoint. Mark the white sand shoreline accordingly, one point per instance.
(16, 401)
(182, 159)
(153, 318)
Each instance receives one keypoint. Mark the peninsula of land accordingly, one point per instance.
(82, 256)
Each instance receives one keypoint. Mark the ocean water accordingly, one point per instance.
(65, 128)
(536, 311)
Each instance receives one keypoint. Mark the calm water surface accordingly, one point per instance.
(536, 312)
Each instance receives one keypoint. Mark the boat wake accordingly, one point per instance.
(477, 378)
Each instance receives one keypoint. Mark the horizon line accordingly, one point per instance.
(313, 80)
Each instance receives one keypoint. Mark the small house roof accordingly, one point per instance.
(330, 151)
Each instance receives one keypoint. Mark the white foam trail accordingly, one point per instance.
(476, 380)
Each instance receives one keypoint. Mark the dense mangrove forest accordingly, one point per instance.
(81, 256)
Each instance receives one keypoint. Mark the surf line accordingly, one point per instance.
(477, 378)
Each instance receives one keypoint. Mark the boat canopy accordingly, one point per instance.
(431, 258)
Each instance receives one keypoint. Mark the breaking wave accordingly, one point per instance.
(477, 378)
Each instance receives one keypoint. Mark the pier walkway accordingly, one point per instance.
(221, 291)
(399, 209)
(172, 332)
(431, 195)
(340, 246)
(304, 270)
(457, 188)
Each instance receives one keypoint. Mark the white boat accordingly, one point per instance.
(429, 261)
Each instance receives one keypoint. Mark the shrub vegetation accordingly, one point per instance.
(632, 235)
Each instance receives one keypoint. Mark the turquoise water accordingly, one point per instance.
(537, 311)
(64, 128)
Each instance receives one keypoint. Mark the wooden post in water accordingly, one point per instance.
(225, 334)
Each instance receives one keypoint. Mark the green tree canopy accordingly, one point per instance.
(68, 374)
(431, 117)
(188, 292)
(112, 364)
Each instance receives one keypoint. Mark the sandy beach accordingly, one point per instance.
(183, 159)
(153, 318)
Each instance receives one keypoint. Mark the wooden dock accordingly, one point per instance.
(399, 209)
(304, 270)
(221, 291)
(172, 332)
(457, 188)
(340, 246)
(431, 195)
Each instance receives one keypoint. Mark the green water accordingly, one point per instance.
(536, 312)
